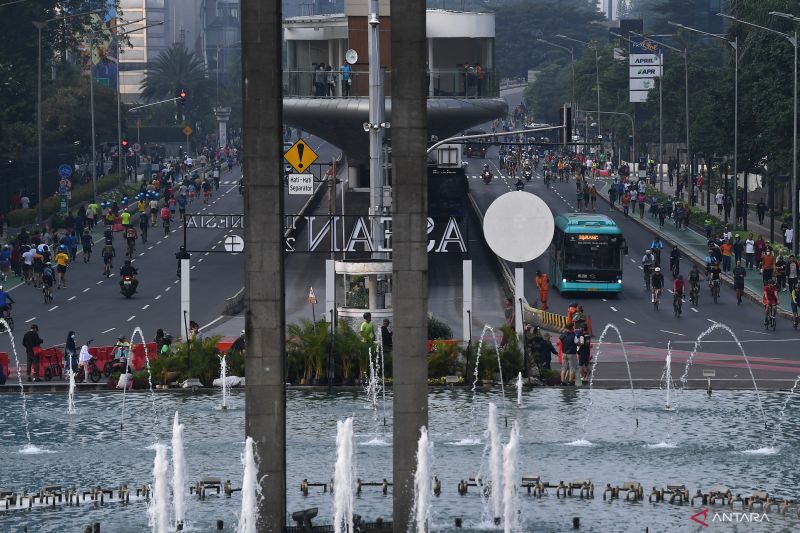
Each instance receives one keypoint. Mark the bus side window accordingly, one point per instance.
(624, 247)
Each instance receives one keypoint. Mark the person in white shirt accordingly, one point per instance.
(749, 251)
(788, 237)
(27, 264)
(25, 202)
(84, 358)
(719, 198)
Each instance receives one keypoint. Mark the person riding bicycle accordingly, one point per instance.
(5, 261)
(5, 301)
(675, 261)
(128, 270)
(739, 273)
(657, 246)
(647, 262)
(48, 278)
(678, 288)
(770, 298)
(657, 283)
(130, 236)
(108, 257)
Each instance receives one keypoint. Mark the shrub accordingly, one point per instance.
(442, 360)
(204, 360)
(21, 217)
(308, 345)
(438, 329)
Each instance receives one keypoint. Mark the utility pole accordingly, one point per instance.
(409, 245)
(265, 399)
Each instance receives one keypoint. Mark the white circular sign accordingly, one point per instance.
(518, 226)
(233, 243)
(351, 56)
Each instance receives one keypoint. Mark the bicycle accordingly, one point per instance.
(52, 367)
(48, 294)
(677, 304)
(715, 289)
(770, 321)
(694, 294)
(8, 318)
(107, 269)
(647, 278)
(131, 247)
(656, 298)
(94, 372)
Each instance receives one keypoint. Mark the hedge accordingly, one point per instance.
(50, 205)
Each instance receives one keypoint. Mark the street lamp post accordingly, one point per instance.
(39, 27)
(572, 64)
(735, 45)
(597, 80)
(633, 128)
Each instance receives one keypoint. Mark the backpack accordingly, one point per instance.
(130, 233)
(47, 275)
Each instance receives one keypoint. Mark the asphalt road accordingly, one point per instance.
(648, 332)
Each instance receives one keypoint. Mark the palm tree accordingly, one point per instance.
(175, 69)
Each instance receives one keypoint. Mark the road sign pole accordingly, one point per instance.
(185, 295)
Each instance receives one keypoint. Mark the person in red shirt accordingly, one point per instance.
(770, 297)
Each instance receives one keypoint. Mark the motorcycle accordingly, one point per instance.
(487, 177)
(128, 286)
(520, 185)
(527, 173)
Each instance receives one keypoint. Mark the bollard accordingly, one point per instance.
(497, 520)
(179, 526)
(458, 522)
(576, 522)
(220, 525)
(87, 529)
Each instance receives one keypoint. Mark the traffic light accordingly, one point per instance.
(125, 144)
(565, 119)
(182, 96)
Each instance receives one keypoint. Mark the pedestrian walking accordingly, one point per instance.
(32, 343)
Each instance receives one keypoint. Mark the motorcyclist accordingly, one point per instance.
(128, 270)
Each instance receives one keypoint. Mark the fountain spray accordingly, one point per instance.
(158, 508)
(510, 459)
(422, 482)
(21, 387)
(223, 377)
(178, 474)
(519, 389)
(343, 478)
(495, 467)
(251, 491)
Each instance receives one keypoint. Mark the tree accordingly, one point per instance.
(176, 69)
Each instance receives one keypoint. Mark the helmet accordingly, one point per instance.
(658, 269)
(680, 277)
(127, 261)
(648, 251)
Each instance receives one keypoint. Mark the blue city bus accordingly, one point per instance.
(586, 254)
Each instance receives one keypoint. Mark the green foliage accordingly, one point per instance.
(204, 360)
(349, 349)
(438, 329)
(510, 357)
(308, 343)
(442, 360)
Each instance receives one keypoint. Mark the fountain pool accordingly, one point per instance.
(717, 440)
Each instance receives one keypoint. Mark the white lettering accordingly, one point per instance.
(360, 234)
(740, 517)
(315, 240)
(237, 222)
(190, 221)
(431, 242)
(289, 244)
(452, 234)
(386, 245)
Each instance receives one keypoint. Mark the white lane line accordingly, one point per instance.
(629, 320)
(53, 308)
(149, 247)
(207, 253)
(695, 310)
(145, 307)
(109, 329)
(173, 231)
(194, 266)
(212, 322)
(141, 254)
(614, 309)
(672, 332)
(87, 289)
(112, 275)
(71, 298)
(605, 300)
(633, 260)
(99, 282)
(175, 282)
(758, 332)
(712, 321)
(168, 288)
(159, 242)
(131, 318)
(214, 247)
(31, 319)
(200, 260)
(640, 267)
(158, 296)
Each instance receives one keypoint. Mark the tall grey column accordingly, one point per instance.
(265, 403)
(409, 249)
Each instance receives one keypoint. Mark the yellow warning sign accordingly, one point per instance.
(187, 130)
(300, 156)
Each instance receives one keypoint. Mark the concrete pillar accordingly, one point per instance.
(330, 291)
(466, 305)
(265, 403)
(429, 88)
(222, 114)
(519, 295)
(409, 245)
(185, 298)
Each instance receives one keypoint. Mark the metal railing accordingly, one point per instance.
(452, 83)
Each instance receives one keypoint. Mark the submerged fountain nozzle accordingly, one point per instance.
(303, 518)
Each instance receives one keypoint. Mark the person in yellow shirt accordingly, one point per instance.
(140, 206)
(62, 262)
(125, 218)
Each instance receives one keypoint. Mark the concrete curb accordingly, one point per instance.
(727, 280)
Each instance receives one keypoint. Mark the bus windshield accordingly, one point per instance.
(593, 252)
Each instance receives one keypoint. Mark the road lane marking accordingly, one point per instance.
(145, 307)
(614, 309)
(212, 322)
(71, 298)
(758, 332)
(87, 289)
(131, 318)
(176, 281)
(629, 320)
(605, 300)
(109, 329)
(53, 308)
(194, 266)
(158, 296)
(141, 254)
(200, 260)
(149, 247)
(168, 288)
(672, 332)
(99, 282)
(31, 319)
(159, 242)
(695, 310)
(207, 253)
(712, 321)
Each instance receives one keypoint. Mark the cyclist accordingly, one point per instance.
(165, 219)
(694, 278)
(48, 280)
(5, 262)
(647, 266)
(5, 303)
(675, 261)
(27, 263)
(88, 244)
(108, 258)
(657, 246)
(794, 298)
(770, 299)
(714, 276)
(62, 262)
(657, 284)
(38, 267)
(739, 273)
(130, 236)
(678, 286)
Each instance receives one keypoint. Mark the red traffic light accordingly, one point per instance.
(182, 95)
(125, 143)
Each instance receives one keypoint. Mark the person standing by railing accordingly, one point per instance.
(346, 74)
